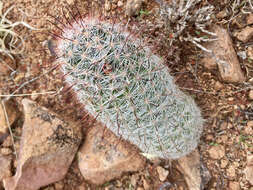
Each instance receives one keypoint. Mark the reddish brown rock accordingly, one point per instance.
(195, 173)
(249, 169)
(217, 152)
(224, 56)
(104, 157)
(12, 113)
(245, 34)
(48, 146)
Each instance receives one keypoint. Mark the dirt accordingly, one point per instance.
(225, 107)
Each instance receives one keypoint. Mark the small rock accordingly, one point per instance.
(249, 169)
(6, 151)
(248, 129)
(146, 185)
(223, 163)
(70, 1)
(251, 94)
(5, 67)
(195, 173)
(103, 156)
(209, 137)
(120, 4)
(250, 52)
(222, 14)
(224, 55)
(234, 185)
(134, 180)
(48, 146)
(107, 5)
(217, 152)
(7, 142)
(249, 19)
(59, 185)
(5, 167)
(162, 173)
(231, 172)
(218, 85)
(133, 7)
(12, 113)
(208, 63)
(245, 34)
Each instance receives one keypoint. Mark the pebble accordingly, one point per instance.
(250, 52)
(231, 172)
(248, 129)
(6, 151)
(249, 169)
(162, 173)
(223, 163)
(5, 167)
(146, 185)
(251, 94)
(218, 85)
(133, 7)
(222, 14)
(120, 3)
(250, 19)
(217, 152)
(107, 5)
(245, 34)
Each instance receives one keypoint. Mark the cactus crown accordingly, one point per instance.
(128, 88)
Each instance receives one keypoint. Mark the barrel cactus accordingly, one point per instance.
(120, 82)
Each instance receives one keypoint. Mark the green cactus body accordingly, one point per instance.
(128, 88)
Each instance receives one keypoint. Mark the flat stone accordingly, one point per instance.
(249, 169)
(195, 173)
(48, 146)
(217, 152)
(224, 56)
(104, 157)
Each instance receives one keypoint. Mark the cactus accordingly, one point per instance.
(125, 86)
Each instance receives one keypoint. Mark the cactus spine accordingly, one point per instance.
(126, 87)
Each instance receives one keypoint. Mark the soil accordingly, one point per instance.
(226, 109)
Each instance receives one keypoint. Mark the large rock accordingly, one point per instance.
(195, 173)
(224, 56)
(104, 157)
(48, 146)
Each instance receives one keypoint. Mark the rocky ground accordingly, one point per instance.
(59, 151)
